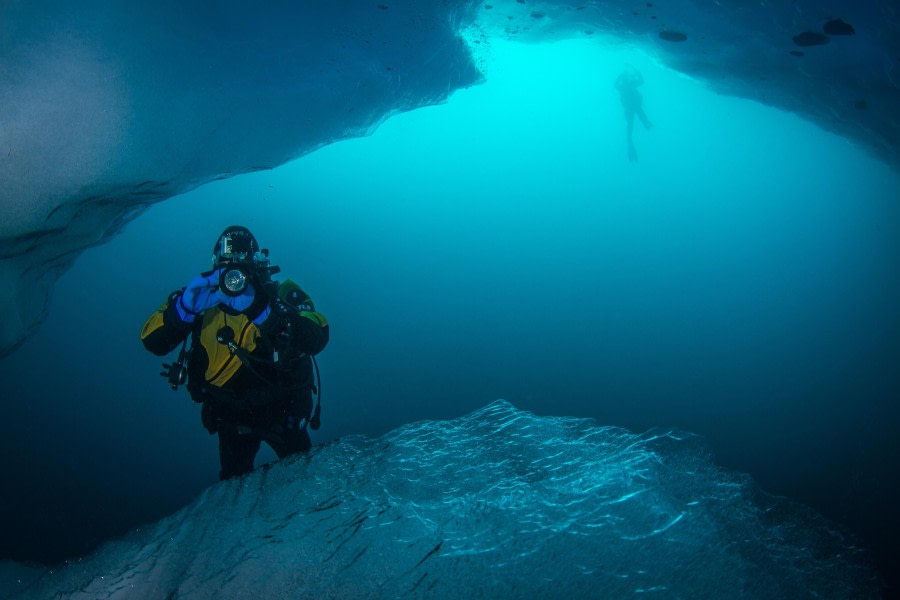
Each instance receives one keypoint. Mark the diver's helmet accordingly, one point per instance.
(238, 255)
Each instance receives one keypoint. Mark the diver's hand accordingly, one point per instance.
(243, 302)
(201, 293)
(238, 303)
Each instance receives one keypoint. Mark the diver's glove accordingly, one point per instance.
(263, 316)
(201, 293)
(238, 303)
(244, 302)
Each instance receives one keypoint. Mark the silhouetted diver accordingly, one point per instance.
(627, 83)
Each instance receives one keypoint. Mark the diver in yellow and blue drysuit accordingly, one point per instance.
(250, 362)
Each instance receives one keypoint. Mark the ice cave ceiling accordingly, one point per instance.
(108, 108)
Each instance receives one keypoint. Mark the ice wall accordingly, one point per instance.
(109, 107)
(497, 504)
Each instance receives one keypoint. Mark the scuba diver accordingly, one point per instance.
(252, 346)
(628, 83)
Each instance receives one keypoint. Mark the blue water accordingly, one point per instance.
(740, 281)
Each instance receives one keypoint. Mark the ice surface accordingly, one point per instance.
(497, 504)
(109, 107)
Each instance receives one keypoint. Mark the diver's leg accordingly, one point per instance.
(236, 452)
(291, 442)
(629, 119)
(643, 117)
(629, 123)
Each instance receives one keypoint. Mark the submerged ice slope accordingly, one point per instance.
(499, 503)
(109, 107)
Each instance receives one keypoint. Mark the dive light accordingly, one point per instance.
(233, 280)
(237, 275)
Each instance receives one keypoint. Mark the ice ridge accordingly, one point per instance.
(499, 503)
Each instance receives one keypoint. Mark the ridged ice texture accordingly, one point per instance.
(497, 504)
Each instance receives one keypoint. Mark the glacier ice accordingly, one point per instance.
(112, 107)
(499, 503)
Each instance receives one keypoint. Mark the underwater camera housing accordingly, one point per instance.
(239, 270)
